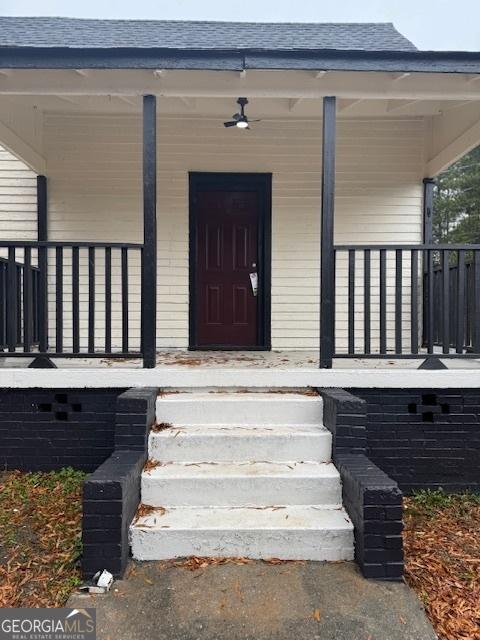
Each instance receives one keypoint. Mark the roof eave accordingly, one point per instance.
(235, 60)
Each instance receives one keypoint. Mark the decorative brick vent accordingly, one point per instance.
(425, 438)
(45, 429)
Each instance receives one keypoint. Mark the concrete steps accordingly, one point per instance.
(239, 407)
(240, 484)
(294, 532)
(243, 474)
(217, 443)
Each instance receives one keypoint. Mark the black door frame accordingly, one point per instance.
(259, 182)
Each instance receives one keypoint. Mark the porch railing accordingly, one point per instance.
(71, 299)
(403, 301)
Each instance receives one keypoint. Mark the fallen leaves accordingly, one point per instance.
(150, 465)
(162, 426)
(316, 615)
(147, 510)
(40, 530)
(193, 563)
(442, 547)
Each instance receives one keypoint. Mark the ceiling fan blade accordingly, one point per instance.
(231, 123)
(254, 120)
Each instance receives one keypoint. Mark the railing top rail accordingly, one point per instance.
(408, 247)
(34, 244)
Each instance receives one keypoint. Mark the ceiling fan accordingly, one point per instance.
(240, 120)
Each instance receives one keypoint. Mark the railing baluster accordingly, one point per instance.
(3, 304)
(445, 301)
(398, 300)
(383, 301)
(12, 310)
(366, 301)
(108, 300)
(27, 300)
(460, 328)
(430, 302)
(18, 275)
(124, 300)
(91, 299)
(453, 296)
(59, 299)
(476, 303)
(469, 302)
(75, 300)
(35, 274)
(43, 299)
(351, 301)
(414, 275)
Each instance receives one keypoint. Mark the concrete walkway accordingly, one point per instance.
(257, 601)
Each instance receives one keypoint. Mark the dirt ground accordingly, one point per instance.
(40, 528)
(442, 550)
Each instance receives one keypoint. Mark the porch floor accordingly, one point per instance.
(183, 359)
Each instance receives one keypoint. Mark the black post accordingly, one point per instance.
(327, 261)
(42, 234)
(149, 261)
(428, 186)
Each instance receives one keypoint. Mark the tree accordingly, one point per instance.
(456, 203)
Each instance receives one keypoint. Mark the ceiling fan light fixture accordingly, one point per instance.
(240, 120)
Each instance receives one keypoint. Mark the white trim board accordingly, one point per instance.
(166, 377)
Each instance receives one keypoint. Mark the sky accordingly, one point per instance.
(449, 25)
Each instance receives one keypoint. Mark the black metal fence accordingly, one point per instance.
(71, 299)
(23, 279)
(404, 300)
(464, 315)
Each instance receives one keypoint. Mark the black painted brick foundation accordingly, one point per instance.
(110, 498)
(135, 415)
(46, 429)
(374, 504)
(345, 416)
(372, 500)
(425, 438)
(111, 494)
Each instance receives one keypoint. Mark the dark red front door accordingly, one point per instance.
(227, 224)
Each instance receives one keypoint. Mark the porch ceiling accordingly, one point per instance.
(222, 107)
(450, 102)
(252, 83)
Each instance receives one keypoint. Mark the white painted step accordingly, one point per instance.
(217, 443)
(256, 409)
(237, 484)
(309, 532)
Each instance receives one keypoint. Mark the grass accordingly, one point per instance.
(40, 529)
(442, 552)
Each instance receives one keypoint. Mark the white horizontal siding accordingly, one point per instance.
(94, 170)
(18, 199)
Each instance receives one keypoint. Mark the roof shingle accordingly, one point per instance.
(199, 35)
